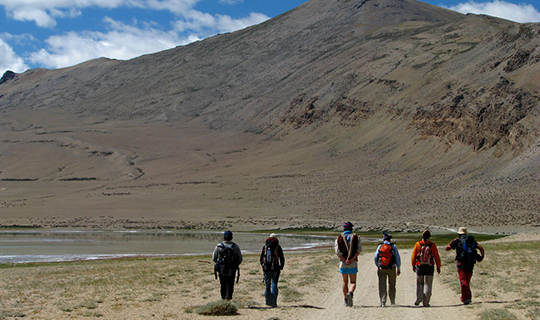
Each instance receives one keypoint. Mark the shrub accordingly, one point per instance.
(218, 308)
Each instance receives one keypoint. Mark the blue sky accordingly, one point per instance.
(60, 33)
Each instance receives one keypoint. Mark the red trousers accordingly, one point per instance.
(465, 281)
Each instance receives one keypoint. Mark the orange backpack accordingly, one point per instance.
(386, 256)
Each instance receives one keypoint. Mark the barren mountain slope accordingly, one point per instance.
(376, 111)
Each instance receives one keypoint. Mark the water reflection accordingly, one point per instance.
(67, 245)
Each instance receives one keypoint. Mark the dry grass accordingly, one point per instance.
(147, 287)
(506, 282)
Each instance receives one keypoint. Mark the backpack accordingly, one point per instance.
(425, 257)
(227, 263)
(386, 256)
(466, 250)
(270, 257)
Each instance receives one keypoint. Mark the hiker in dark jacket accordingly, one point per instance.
(272, 262)
(347, 248)
(466, 256)
(227, 271)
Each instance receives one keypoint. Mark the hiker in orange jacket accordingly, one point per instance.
(424, 258)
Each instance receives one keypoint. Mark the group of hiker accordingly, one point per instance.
(228, 257)
(425, 261)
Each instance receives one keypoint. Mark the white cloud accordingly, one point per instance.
(208, 24)
(44, 12)
(231, 2)
(10, 60)
(122, 42)
(510, 11)
(127, 41)
(39, 16)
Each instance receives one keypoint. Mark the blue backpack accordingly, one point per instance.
(466, 250)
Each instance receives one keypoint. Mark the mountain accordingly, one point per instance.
(391, 113)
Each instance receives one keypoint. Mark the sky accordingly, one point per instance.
(60, 33)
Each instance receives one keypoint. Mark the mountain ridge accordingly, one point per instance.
(384, 111)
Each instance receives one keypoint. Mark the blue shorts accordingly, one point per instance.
(348, 270)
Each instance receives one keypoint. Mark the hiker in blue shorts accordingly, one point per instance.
(348, 248)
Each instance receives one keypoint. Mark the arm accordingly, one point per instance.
(436, 257)
(281, 258)
(238, 253)
(338, 252)
(414, 255)
(215, 254)
(398, 260)
(356, 254)
(376, 258)
(452, 245)
(481, 250)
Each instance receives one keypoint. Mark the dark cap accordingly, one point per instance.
(347, 225)
(227, 235)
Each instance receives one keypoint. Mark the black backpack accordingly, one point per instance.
(466, 250)
(227, 263)
(270, 257)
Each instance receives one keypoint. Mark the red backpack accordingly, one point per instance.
(425, 257)
(386, 256)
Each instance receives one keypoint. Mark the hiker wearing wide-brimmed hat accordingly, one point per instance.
(425, 257)
(348, 248)
(466, 257)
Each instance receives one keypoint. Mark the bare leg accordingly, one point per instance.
(352, 287)
(345, 285)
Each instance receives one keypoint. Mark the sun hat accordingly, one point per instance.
(227, 235)
(387, 236)
(462, 230)
(273, 235)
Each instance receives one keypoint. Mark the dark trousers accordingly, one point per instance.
(271, 279)
(227, 286)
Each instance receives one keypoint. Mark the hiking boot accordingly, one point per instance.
(383, 304)
(349, 299)
(418, 301)
(466, 302)
(427, 305)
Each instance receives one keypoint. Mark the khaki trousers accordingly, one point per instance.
(390, 276)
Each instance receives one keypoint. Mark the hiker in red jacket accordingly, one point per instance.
(272, 261)
(424, 258)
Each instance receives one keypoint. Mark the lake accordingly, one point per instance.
(24, 246)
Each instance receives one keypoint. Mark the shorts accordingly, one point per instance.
(348, 270)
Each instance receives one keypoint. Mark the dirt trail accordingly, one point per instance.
(445, 304)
